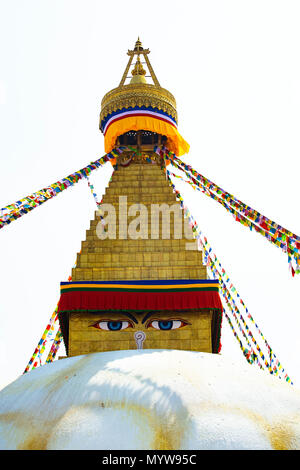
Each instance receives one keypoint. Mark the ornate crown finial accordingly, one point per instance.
(139, 50)
(138, 68)
(138, 73)
(138, 45)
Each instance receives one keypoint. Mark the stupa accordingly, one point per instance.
(140, 319)
(138, 275)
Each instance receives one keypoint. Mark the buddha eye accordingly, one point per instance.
(112, 325)
(166, 324)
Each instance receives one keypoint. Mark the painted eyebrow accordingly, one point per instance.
(147, 316)
(129, 315)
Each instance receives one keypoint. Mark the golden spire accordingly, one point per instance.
(138, 45)
(138, 92)
(139, 50)
(125, 100)
(138, 73)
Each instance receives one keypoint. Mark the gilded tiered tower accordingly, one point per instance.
(139, 281)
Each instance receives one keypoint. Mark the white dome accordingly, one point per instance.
(149, 399)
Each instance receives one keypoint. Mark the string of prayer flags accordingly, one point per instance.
(252, 351)
(40, 349)
(16, 210)
(53, 322)
(55, 346)
(286, 240)
(100, 211)
(36, 357)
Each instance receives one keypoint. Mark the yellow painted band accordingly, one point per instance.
(144, 286)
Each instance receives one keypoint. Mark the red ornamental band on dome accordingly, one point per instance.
(140, 295)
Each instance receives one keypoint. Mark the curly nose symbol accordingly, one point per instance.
(139, 337)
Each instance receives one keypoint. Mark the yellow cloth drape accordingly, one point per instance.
(176, 142)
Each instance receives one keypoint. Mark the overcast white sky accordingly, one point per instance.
(233, 67)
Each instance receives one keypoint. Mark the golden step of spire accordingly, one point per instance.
(152, 257)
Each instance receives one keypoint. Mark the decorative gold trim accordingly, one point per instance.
(138, 95)
(140, 158)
